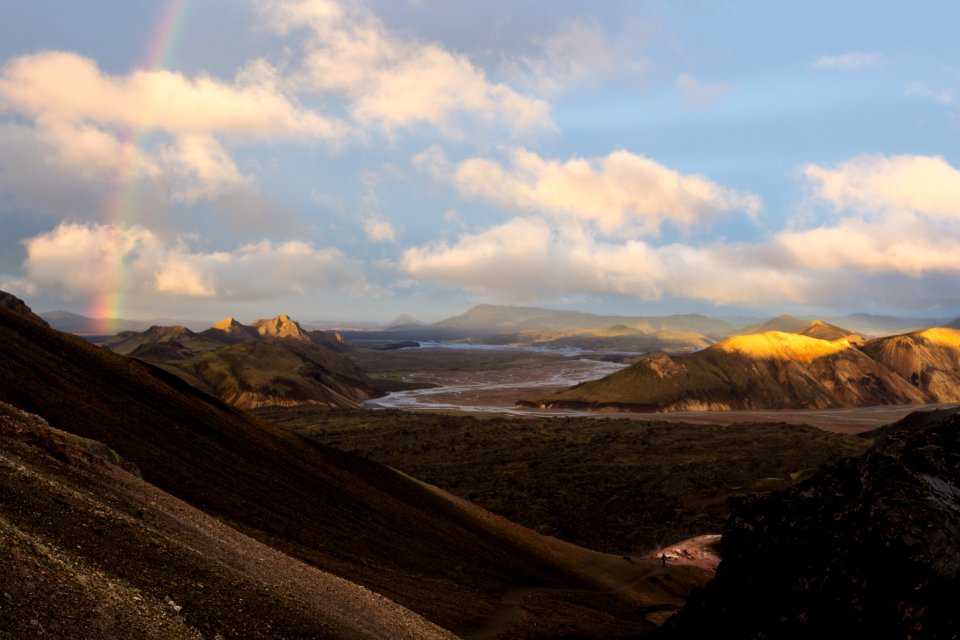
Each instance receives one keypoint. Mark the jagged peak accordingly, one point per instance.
(781, 346)
(165, 331)
(226, 324)
(18, 306)
(281, 326)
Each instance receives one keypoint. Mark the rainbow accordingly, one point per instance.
(121, 204)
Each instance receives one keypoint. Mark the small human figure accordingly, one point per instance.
(663, 560)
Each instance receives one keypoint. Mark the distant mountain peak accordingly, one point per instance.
(175, 331)
(228, 324)
(825, 331)
(282, 326)
(404, 320)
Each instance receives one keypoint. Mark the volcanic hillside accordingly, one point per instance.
(866, 548)
(777, 370)
(89, 548)
(271, 362)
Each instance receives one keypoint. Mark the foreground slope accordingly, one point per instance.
(350, 517)
(771, 370)
(65, 496)
(867, 548)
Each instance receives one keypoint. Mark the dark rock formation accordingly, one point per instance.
(15, 304)
(867, 548)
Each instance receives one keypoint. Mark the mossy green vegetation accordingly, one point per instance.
(616, 485)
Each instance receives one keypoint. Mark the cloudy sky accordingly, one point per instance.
(341, 160)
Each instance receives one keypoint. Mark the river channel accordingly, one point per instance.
(507, 374)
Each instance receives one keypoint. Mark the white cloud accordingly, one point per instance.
(874, 184)
(208, 168)
(86, 128)
(904, 243)
(894, 240)
(527, 259)
(850, 61)
(78, 260)
(392, 81)
(530, 259)
(617, 192)
(57, 86)
(379, 230)
(896, 215)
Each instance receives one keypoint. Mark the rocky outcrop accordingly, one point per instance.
(867, 548)
(282, 326)
(928, 359)
(229, 330)
(18, 306)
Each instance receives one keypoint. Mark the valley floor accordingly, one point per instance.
(484, 381)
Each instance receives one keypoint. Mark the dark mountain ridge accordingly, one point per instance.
(866, 548)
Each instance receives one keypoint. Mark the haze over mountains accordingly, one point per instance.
(486, 320)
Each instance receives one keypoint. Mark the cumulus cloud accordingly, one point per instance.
(617, 192)
(84, 135)
(877, 183)
(77, 260)
(893, 239)
(58, 86)
(895, 214)
(392, 81)
(526, 259)
(850, 61)
(529, 259)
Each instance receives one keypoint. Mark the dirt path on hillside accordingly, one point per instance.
(650, 578)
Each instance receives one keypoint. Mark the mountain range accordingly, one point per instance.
(780, 370)
(273, 361)
(136, 506)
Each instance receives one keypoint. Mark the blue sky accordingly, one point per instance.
(357, 160)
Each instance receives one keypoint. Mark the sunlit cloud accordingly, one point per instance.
(58, 86)
(531, 259)
(896, 230)
(393, 81)
(874, 184)
(620, 191)
(77, 260)
(379, 230)
(87, 125)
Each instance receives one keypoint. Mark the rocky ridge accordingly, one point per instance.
(778, 370)
(866, 548)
